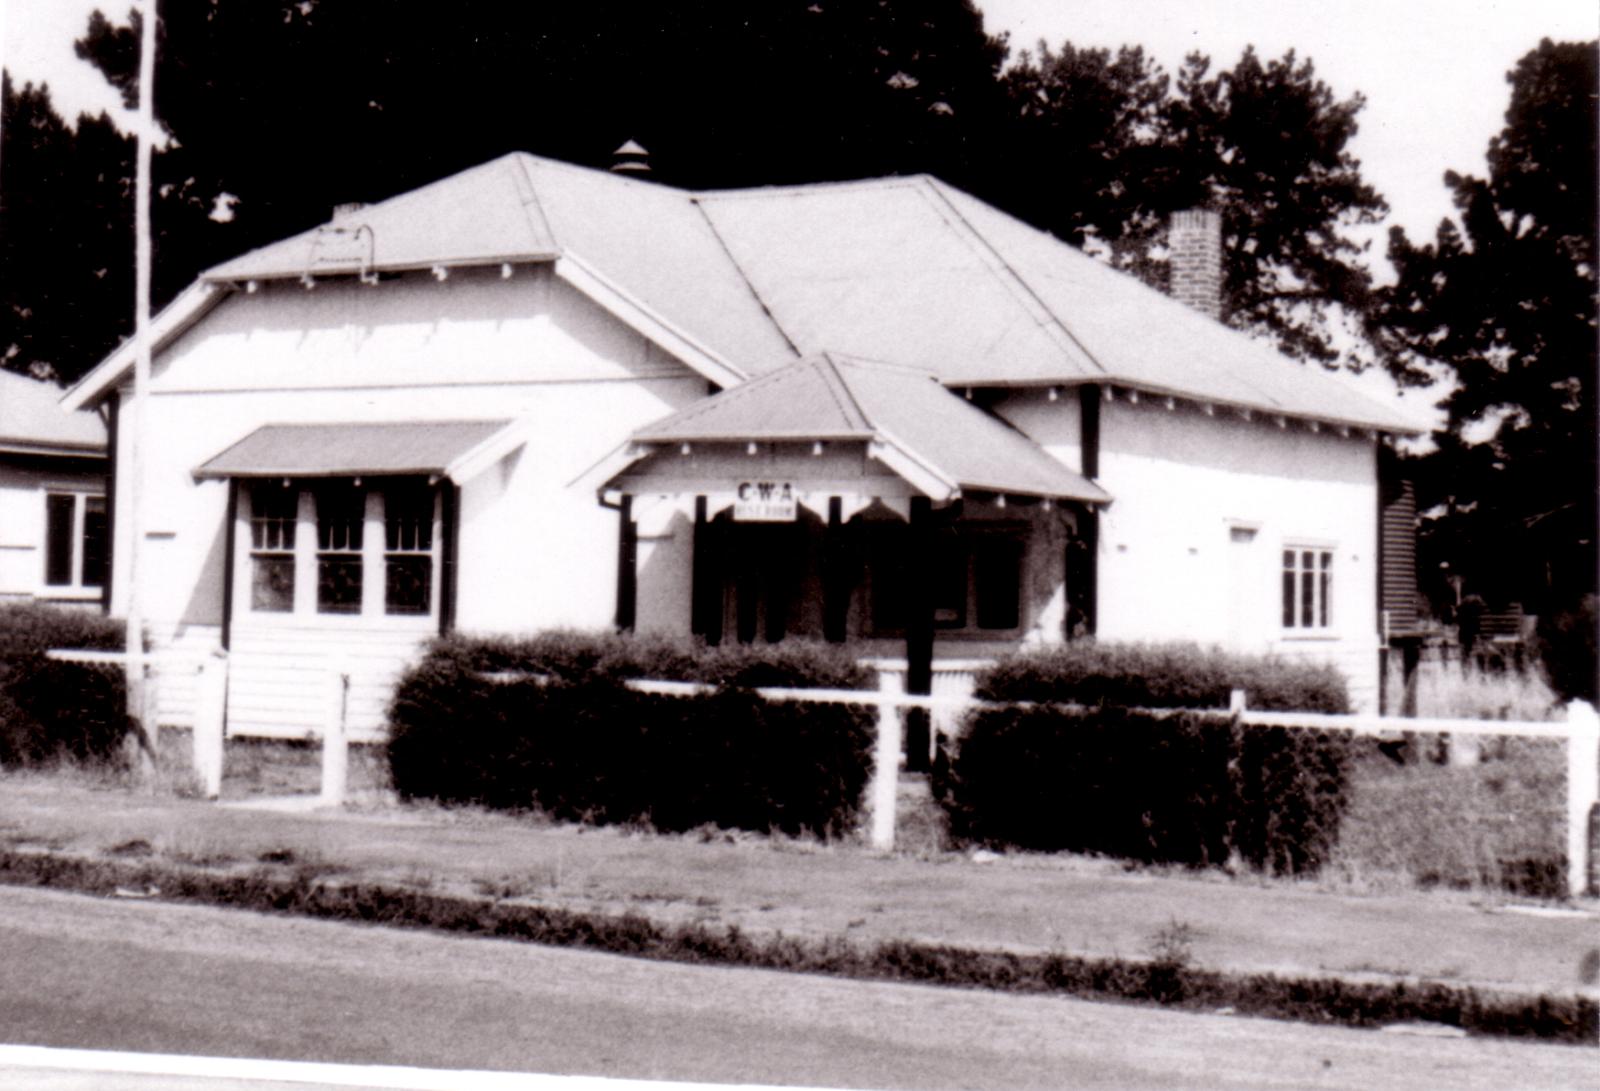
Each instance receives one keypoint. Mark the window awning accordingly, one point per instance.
(458, 450)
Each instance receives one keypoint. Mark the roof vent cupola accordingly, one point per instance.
(1194, 239)
(631, 159)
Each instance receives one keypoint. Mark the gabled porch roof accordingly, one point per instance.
(937, 441)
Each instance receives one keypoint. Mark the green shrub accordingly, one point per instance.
(546, 722)
(1178, 788)
(1090, 672)
(50, 710)
(1078, 762)
(575, 655)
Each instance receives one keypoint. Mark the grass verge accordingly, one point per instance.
(1166, 979)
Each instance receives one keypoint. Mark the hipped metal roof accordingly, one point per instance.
(447, 448)
(908, 270)
(903, 411)
(32, 420)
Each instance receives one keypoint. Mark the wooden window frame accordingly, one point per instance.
(1306, 584)
(79, 582)
(308, 555)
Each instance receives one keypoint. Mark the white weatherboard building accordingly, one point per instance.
(53, 518)
(534, 395)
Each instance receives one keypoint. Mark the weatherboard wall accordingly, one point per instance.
(536, 550)
(23, 489)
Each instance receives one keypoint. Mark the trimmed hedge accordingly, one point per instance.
(1089, 672)
(1071, 767)
(546, 723)
(51, 710)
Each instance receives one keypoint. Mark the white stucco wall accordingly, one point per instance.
(1183, 481)
(536, 549)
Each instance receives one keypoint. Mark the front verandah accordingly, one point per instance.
(897, 577)
(979, 575)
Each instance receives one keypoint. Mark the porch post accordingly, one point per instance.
(450, 552)
(1089, 524)
(919, 632)
(1090, 599)
(835, 590)
(230, 544)
(705, 603)
(627, 565)
(113, 418)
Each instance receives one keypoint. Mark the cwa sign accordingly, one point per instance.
(765, 502)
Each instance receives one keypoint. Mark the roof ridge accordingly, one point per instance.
(935, 186)
(837, 385)
(528, 190)
(755, 293)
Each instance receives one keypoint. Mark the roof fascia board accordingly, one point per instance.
(1156, 389)
(21, 447)
(915, 470)
(645, 321)
(475, 460)
(176, 317)
(611, 464)
(220, 275)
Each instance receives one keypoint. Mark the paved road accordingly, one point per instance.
(141, 976)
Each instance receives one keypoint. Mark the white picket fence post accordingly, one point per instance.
(885, 763)
(211, 698)
(1583, 790)
(335, 737)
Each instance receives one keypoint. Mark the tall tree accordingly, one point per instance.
(66, 248)
(1087, 142)
(281, 109)
(1506, 301)
(1106, 148)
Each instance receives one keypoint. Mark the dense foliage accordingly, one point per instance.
(1178, 788)
(1161, 676)
(51, 710)
(546, 723)
(1081, 760)
(1505, 302)
(1103, 148)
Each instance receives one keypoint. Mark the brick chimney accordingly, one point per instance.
(1195, 240)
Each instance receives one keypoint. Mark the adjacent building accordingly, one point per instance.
(53, 519)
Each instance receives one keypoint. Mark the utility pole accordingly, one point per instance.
(138, 703)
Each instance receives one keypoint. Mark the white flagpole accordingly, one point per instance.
(134, 425)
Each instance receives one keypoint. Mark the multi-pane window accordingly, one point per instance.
(341, 518)
(362, 551)
(274, 514)
(408, 549)
(75, 540)
(1307, 588)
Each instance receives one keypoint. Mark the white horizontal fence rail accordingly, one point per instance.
(211, 695)
(1581, 733)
